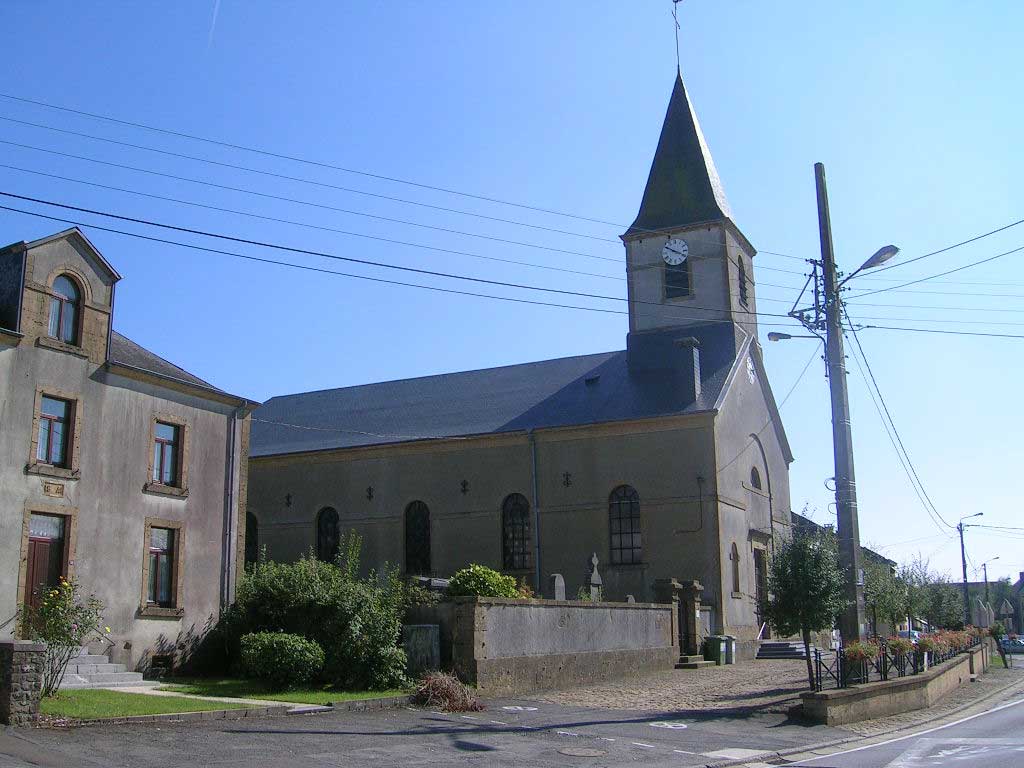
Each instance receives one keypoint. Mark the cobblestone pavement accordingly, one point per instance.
(768, 686)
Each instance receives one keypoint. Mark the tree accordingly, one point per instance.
(805, 585)
(945, 604)
(885, 594)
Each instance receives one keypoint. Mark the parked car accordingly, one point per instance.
(913, 635)
(1012, 645)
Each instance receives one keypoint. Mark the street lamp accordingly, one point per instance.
(963, 562)
(984, 567)
(827, 317)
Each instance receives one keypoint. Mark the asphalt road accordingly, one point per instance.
(992, 738)
(508, 733)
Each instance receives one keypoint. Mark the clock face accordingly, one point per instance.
(675, 251)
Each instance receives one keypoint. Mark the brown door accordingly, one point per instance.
(761, 590)
(46, 561)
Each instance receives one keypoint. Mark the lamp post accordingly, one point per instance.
(828, 318)
(963, 562)
(984, 567)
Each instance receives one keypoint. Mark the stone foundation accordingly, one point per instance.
(21, 681)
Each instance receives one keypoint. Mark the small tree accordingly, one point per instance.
(805, 584)
(64, 621)
(884, 594)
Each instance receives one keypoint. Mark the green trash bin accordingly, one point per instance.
(715, 649)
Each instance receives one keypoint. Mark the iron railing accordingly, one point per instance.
(833, 670)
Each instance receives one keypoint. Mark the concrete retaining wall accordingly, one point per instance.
(516, 646)
(905, 694)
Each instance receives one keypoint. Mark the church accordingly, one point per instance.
(667, 459)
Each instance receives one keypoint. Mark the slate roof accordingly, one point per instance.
(683, 186)
(587, 389)
(126, 352)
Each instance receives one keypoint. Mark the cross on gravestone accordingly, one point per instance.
(595, 580)
(557, 587)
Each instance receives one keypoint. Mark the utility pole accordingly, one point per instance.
(963, 563)
(984, 567)
(851, 621)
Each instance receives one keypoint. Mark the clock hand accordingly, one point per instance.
(673, 250)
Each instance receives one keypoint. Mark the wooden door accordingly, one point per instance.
(761, 589)
(46, 560)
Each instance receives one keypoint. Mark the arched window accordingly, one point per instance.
(755, 478)
(734, 555)
(624, 519)
(327, 538)
(517, 547)
(743, 280)
(64, 307)
(677, 279)
(252, 538)
(417, 539)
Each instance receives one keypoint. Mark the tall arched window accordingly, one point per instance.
(517, 548)
(743, 280)
(64, 307)
(417, 539)
(624, 519)
(734, 556)
(327, 537)
(755, 478)
(677, 279)
(252, 538)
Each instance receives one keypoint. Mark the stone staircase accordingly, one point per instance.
(693, 662)
(776, 649)
(88, 670)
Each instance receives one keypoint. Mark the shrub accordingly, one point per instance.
(525, 591)
(416, 595)
(356, 621)
(481, 581)
(444, 691)
(933, 643)
(285, 660)
(858, 651)
(583, 594)
(65, 622)
(899, 646)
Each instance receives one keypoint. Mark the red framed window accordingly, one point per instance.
(54, 431)
(166, 453)
(64, 307)
(161, 567)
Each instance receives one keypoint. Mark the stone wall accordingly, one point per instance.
(21, 680)
(507, 647)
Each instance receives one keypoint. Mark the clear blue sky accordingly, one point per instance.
(914, 108)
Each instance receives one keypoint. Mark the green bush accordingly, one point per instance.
(482, 581)
(287, 661)
(356, 621)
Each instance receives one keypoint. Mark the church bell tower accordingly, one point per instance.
(688, 266)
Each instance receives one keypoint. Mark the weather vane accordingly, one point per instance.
(675, 18)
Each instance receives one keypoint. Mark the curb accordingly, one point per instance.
(769, 755)
(362, 705)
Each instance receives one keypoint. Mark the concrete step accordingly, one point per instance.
(782, 650)
(694, 664)
(690, 659)
(106, 678)
(65, 686)
(92, 669)
(89, 658)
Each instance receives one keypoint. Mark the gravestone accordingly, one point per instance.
(594, 580)
(557, 587)
(422, 644)
(630, 599)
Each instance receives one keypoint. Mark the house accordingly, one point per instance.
(667, 458)
(118, 469)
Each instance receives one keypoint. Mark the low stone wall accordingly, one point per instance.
(21, 681)
(516, 646)
(890, 697)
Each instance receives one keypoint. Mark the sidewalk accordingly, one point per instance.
(150, 691)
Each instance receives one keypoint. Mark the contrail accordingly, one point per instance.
(213, 23)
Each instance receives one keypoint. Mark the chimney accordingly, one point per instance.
(667, 354)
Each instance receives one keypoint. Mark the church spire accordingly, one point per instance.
(683, 187)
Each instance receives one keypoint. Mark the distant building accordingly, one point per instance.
(117, 468)
(668, 458)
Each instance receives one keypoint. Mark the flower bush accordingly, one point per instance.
(933, 643)
(858, 651)
(285, 660)
(64, 621)
(899, 646)
(481, 581)
(356, 621)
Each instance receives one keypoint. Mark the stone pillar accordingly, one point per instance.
(667, 591)
(21, 681)
(689, 616)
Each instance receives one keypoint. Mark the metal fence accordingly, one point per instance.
(833, 670)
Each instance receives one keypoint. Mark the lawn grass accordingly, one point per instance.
(94, 703)
(254, 689)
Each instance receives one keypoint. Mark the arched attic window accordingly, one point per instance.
(755, 478)
(734, 556)
(328, 538)
(677, 279)
(65, 306)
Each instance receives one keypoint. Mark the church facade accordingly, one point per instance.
(667, 459)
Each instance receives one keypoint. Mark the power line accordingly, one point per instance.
(895, 431)
(948, 333)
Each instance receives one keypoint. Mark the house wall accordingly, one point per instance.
(661, 459)
(104, 494)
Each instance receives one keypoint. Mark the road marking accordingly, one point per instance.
(641, 744)
(684, 752)
(605, 738)
(566, 733)
(470, 717)
(498, 722)
(666, 724)
(517, 708)
(736, 753)
(918, 734)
